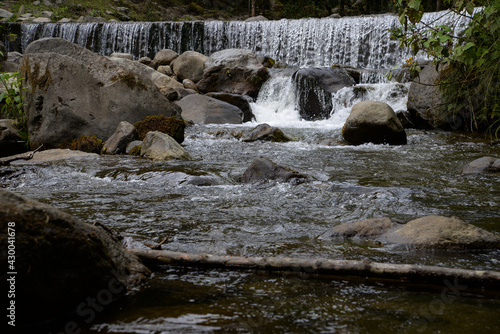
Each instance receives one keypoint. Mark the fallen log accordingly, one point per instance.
(484, 280)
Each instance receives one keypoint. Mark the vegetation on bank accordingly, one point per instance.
(173, 10)
(469, 62)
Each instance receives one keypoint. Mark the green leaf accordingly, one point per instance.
(468, 46)
(470, 8)
(415, 4)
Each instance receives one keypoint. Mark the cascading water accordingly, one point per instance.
(361, 42)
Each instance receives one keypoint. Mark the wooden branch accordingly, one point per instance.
(406, 273)
(26, 157)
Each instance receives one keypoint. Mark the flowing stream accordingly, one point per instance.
(147, 201)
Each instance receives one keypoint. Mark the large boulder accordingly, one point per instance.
(429, 232)
(425, 103)
(264, 169)
(373, 122)
(202, 109)
(72, 92)
(315, 87)
(164, 82)
(189, 65)
(62, 264)
(117, 143)
(235, 71)
(265, 132)
(240, 101)
(160, 146)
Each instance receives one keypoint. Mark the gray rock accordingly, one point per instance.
(56, 155)
(47, 3)
(8, 131)
(425, 101)
(122, 55)
(63, 261)
(47, 14)
(132, 145)
(13, 62)
(369, 229)
(165, 69)
(5, 14)
(240, 101)
(315, 87)
(256, 18)
(265, 132)
(146, 61)
(189, 84)
(88, 19)
(37, 3)
(202, 109)
(264, 169)
(234, 71)
(189, 65)
(482, 165)
(203, 181)
(373, 122)
(65, 20)
(73, 92)
(162, 81)
(160, 146)
(164, 57)
(41, 20)
(430, 232)
(117, 143)
(442, 233)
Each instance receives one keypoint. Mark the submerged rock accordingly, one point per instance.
(373, 122)
(482, 165)
(264, 169)
(56, 155)
(61, 262)
(265, 132)
(430, 232)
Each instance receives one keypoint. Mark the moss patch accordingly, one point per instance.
(90, 144)
(136, 150)
(171, 126)
(130, 80)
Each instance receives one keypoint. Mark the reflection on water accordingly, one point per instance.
(147, 201)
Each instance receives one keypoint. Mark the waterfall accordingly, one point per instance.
(361, 42)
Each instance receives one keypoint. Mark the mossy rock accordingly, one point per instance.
(174, 127)
(89, 144)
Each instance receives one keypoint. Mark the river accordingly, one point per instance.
(147, 201)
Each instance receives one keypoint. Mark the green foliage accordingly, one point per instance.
(12, 102)
(472, 59)
(90, 144)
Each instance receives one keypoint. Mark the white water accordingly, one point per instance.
(276, 103)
